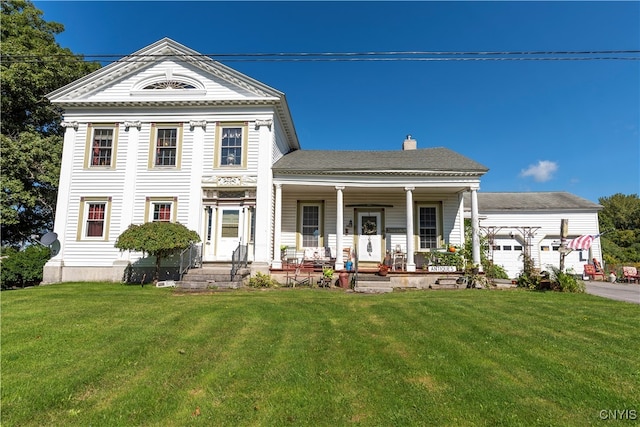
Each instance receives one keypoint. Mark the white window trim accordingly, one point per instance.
(301, 206)
(438, 208)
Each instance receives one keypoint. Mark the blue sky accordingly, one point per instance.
(537, 125)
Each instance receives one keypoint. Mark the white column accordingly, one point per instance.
(339, 229)
(277, 228)
(52, 271)
(132, 128)
(411, 265)
(475, 229)
(198, 128)
(264, 196)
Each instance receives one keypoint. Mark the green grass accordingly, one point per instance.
(115, 355)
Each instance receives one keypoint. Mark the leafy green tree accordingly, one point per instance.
(20, 268)
(158, 239)
(32, 65)
(620, 222)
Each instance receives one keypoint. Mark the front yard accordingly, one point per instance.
(108, 354)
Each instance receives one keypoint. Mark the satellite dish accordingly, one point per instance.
(55, 248)
(49, 238)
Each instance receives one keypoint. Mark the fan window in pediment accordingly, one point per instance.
(169, 84)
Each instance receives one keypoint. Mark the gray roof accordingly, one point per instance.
(530, 201)
(421, 160)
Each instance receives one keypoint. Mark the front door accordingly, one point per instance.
(370, 237)
(228, 232)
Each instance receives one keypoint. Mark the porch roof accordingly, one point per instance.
(438, 160)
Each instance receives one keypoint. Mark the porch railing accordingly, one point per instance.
(239, 259)
(190, 258)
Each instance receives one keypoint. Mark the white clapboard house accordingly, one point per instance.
(167, 134)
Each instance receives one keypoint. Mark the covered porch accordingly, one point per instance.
(344, 224)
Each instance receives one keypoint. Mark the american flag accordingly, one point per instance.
(582, 242)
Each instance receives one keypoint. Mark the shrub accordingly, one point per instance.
(494, 271)
(261, 280)
(529, 280)
(24, 268)
(564, 282)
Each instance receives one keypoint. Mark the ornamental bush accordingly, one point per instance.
(23, 268)
(261, 280)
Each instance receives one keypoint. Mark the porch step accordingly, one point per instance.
(210, 277)
(372, 283)
(372, 287)
(200, 286)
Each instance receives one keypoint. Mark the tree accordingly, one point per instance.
(158, 239)
(620, 222)
(32, 65)
(23, 268)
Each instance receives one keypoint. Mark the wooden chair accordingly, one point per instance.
(590, 270)
(301, 275)
(630, 274)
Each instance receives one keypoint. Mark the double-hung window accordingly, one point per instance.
(161, 209)
(101, 145)
(94, 218)
(428, 227)
(310, 224)
(231, 145)
(162, 212)
(166, 144)
(167, 147)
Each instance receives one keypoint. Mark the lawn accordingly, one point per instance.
(116, 355)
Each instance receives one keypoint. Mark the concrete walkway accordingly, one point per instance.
(629, 292)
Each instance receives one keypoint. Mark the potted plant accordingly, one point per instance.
(327, 276)
(343, 277)
(383, 269)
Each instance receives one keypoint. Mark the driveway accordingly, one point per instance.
(629, 292)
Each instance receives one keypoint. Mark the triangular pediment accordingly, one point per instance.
(165, 71)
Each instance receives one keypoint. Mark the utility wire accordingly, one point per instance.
(622, 55)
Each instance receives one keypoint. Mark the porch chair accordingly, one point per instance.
(399, 259)
(590, 270)
(630, 274)
(301, 275)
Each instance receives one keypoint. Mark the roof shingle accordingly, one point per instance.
(425, 159)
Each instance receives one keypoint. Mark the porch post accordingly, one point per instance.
(411, 265)
(475, 228)
(339, 226)
(277, 229)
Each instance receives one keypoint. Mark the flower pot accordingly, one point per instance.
(343, 277)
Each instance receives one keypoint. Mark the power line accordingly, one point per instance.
(621, 55)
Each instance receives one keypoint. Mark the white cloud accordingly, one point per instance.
(541, 172)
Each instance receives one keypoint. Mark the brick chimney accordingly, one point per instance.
(409, 144)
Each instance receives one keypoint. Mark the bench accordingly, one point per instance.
(590, 270)
(630, 274)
